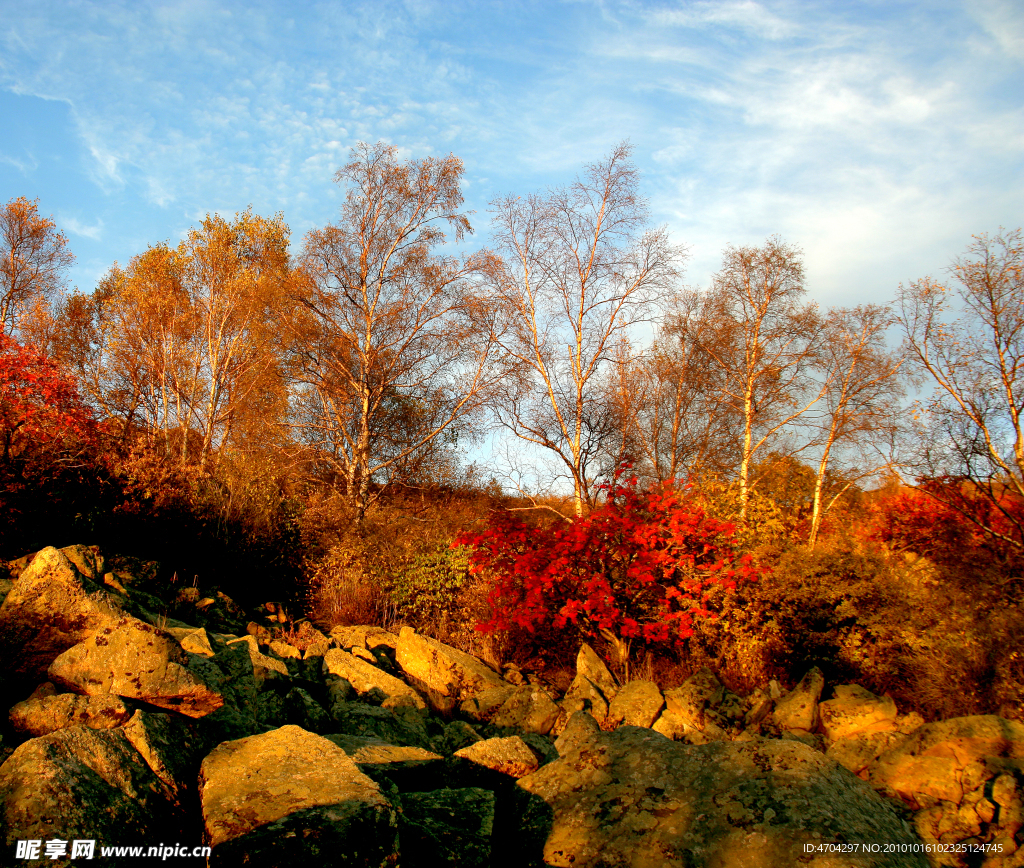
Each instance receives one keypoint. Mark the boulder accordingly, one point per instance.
(632, 797)
(447, 827)
(457, 734)
(680, 728)
(371, 683)
(363, 636)
(403, 728)
(593, 668)
(444, 675)
(303, 710)
(798, 709)
(854, 709)
(48, 714)
(192, 639)
(136, 660)
(82, 783)
(637, 703)
(50, 608)
(507, 756)
(947, 759)
(580, 728)
(408, 768)
(293, 797)
(584, 695)
(856, 752)
(527, 709)
(486, 703)
(170, 747)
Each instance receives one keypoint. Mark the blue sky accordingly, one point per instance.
(878, 136)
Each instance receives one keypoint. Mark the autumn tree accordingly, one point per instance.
(764, 339)
(183, 342)
(861, 400)
(966, 337)
(394, 345)
(34, 259)
(580, 269)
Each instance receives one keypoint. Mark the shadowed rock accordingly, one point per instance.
(86, 784)
(447, 827)
(634, 798)
(370, 682)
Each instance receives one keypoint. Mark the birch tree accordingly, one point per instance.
(966, 337)
(580, 270)
(394, 345)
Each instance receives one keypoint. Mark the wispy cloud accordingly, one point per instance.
(76, 227)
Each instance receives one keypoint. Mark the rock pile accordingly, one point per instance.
(367, 748)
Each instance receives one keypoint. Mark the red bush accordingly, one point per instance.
(40, 408)
(640, 565)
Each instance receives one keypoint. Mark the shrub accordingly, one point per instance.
(639, 567)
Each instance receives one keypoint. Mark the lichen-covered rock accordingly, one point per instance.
(858, 751)
(580, 728)
(364, 636)
(170, 746)
(637, 703)
(527, 709)
(48, 714)
(584, 695)
(404, 727)
(632, 797)
(798, 709)
(50, 608)
(82, 783)
(408, 768)
(508, 756)
(447, 827)
(136, 660)
(482, 707)
(853, 710)
(195, 640)
(457, 735)
(371, 683)
(947, 759)
(293, 798)
(444, 675)
(593, 668)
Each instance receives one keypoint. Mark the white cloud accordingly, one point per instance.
(95, 232)
(742, 14)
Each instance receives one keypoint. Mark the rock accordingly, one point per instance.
(584, 695)
(632, 797)
(171, 749)
(854, 709)
(303, 710)
(409, 769)
(486, 703)
(759, 706)
(370, 683)
(528, 709)
(638, 703)
(264, 667)
(581, 728)
(679, 728)
(689, 702)
(48, 714)
(192, 639)
(285, 651)
(293, 797)
(798, 709)
(136, 660)
(592, 667)
(367, 637)
(51, 607)
(445, 675)
(250, 679)
(457, 734)
(945, 760)
(82, 783)
(508, 756)
(447, 827)
(858, 751)
(355, 718)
